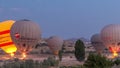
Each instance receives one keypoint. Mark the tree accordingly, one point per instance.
(98, 61)
(61, 52)
(60, 55)
(79, 50)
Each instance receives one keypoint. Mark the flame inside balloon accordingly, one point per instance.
(115, 54)
(12, 54)
(23, 55)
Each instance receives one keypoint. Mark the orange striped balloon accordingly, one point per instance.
(6, 43)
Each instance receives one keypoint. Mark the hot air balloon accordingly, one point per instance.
(55, 43)
(97, 43)
(25, 34)
(6, 43)
(110, 35)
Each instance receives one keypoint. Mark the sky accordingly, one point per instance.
(64, 18)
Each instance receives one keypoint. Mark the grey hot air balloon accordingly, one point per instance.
(55, 43)
(97, 43)
(25, 34)
(110, 35)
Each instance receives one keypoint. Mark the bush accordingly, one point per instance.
(98, 61)
(30, 63)
(117, 62)
(77, 66)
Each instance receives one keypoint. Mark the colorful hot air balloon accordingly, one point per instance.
(55, 44)
(25, 34)
(110, 35)
(6, 43)
(97, 43)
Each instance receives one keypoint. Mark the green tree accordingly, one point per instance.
(117, 62)
(63, 48)
(61, 52)
(79, 50)
(98, 61)
(60, 55)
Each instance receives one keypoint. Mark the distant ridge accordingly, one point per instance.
(75, 39)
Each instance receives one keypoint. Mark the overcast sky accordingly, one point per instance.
(64, 18)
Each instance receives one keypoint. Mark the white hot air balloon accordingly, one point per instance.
(55, 44)
(110, 35)
(25, 34)
(97, 43)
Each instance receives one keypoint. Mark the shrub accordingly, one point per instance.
(77, 66)
(30, 63)
(117, 62)
(98, 61)
(51, 61)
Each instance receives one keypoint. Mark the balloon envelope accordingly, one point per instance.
(55, 43)
(97, 43)
(6, 43)
(25, 34)
(110, 35)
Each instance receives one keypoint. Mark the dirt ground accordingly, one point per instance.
(67, 60)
